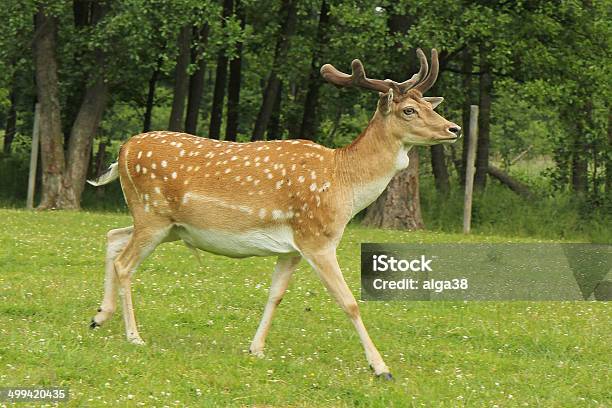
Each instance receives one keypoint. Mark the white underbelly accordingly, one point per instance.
(261, 242)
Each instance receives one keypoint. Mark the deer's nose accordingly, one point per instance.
(456, 130)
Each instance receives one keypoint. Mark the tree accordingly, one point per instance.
(64, 175)
(438, 158)
(484, 119)
(181, 79)
(608, 157)
(146, 126)
(289, 23)
(196, 80)
(11, 122)
(51, 140)
(399, 206)
(233, 87)
(274, 125)
(309, 117)
(216, 113)
(466, 87)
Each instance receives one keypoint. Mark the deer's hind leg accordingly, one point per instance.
(117, 239)
(142, 242)
(285, 266)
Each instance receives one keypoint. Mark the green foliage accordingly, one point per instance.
(497, 210)
(14, 179)
(551, 68)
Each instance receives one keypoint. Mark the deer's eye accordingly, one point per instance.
(409, 111)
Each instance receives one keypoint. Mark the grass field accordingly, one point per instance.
(198, 321)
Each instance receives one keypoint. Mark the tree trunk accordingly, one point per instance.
(86, 124)
(63, 184)
(484, 120)
(181, 80)
(579, 165)
(580, 151)
(608, 158)
(273, 131)
(310, 120)
(437, 153)
(216, 112)
(83, 132)
(47, 88)
(11, 122)
(146, 126)
(196, 80)
(289, 15)
(82, 12)
(454, 159)
(438, 167)
(100, 167)
(514, 185)
(467, 102)
(399, 206)
(233, 87)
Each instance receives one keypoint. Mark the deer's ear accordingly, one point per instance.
(385, 102)
(434, 100)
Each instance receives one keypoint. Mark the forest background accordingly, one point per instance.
(249, 70)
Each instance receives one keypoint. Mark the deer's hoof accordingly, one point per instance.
(385, 376)
(257, 353)
(136, 340)
(93, 324)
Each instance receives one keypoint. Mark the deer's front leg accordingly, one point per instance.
(326, 266)
(285, 266)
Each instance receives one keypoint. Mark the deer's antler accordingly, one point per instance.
(428, 82)
(358, 77)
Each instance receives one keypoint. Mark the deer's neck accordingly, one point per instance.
(366, 166)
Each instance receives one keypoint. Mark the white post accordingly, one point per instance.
(33, 159)
(470, 169)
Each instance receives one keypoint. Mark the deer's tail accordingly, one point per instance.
(110, 175)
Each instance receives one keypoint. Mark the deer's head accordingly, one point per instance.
(407, 114)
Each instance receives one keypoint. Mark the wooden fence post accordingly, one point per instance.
(33, 159)
(470, 170)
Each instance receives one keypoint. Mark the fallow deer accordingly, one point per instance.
(288, 198)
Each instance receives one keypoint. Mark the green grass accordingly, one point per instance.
(198, 322)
